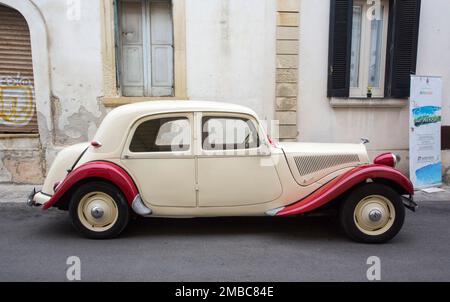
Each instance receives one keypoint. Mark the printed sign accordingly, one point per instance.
(425, 131)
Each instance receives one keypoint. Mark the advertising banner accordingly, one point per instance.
(425, 131)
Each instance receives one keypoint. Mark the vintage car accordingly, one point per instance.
(206, 159)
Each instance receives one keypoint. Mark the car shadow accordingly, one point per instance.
(303, 227)
(317, 227)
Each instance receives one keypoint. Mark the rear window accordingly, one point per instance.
(162, 135)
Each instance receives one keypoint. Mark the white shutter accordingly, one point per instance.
(132, 25)
(162, 48)
(147, 48)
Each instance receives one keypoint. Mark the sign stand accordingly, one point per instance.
(425, 131)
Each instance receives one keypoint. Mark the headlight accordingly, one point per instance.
(387, 159)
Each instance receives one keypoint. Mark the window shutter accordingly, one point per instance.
(340, 42)
(162, 49)
(117, 42)
(402, 46)
(133, 48)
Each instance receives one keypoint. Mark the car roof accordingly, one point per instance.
(154, 107)
(115, 125)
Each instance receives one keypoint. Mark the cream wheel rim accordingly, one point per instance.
(374, 215)
(98, 211)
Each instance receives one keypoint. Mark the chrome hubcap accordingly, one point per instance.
(97, 212)
(374, 215)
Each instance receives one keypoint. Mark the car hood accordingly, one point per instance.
(310, 162)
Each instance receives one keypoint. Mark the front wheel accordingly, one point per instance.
(98, 210)
(372, 213)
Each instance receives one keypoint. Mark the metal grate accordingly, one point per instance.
(307, 164)
(17, 100)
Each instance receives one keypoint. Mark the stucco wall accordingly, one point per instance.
(230, 57)
(231, 52)
(387, 128)
(76, 67)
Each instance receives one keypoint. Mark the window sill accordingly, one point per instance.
(18, 135)
(124, 100)
(368, 103)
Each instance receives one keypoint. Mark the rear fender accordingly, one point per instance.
(96, 170)
(346, 182)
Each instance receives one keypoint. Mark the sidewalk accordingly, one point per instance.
(19, 193)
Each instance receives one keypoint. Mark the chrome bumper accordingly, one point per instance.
(37, 198)
(409, 203)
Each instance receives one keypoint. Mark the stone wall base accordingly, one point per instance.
(21, 161)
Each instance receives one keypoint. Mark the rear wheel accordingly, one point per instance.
(372, 213)
(98, 210)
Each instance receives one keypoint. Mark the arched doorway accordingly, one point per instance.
(17, 101)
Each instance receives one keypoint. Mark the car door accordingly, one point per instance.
(235, 167)
(159, 156)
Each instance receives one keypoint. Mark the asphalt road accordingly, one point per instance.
(34, 246)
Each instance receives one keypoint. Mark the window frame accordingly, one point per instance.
(128, 154)
(401, 52)
(225, 145)
(364, 57)
(112, 96)
(149, 90)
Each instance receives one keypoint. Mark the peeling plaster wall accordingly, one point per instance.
(76, 67)
(230, 52)
(74, 52)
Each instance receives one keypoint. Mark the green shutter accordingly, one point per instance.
(340, 42)
(401, 57)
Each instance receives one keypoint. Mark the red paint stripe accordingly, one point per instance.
(98, 169)
(343, 183)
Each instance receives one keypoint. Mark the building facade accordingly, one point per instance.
(307, 63)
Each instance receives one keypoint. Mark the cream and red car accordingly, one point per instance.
(206, 159)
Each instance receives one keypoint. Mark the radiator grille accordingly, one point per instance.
(307, 164)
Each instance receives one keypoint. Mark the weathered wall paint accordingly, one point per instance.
(76, 66)
(230, 52)
(230, 57)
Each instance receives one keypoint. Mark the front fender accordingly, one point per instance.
(96, 170)
(345, 182)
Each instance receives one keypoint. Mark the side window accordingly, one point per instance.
(228, 133)
(162, 135)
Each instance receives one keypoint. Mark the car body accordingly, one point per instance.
(206, 159)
